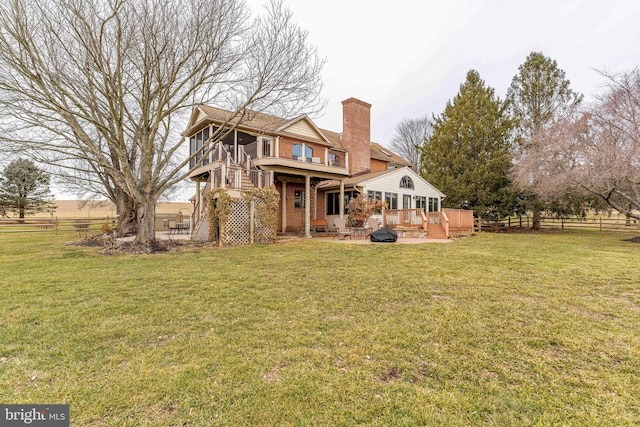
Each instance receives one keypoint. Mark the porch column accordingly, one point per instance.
(195, 217)
(341, 201)
(284, 206)
(307, 207)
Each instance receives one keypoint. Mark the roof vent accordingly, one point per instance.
(383, 151)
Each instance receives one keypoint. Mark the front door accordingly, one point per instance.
(406, 201)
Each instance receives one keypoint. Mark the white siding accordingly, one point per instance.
(390, 183)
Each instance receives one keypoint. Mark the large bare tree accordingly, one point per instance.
(409, 138)
(595, 151)
(101, 88)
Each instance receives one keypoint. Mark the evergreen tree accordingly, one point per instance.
(468, 156)
(24, 189)
(539, 96)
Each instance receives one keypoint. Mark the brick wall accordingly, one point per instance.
(295, 216)
(379, 165)
(356, 134)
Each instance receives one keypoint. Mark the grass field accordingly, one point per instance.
(498, 329)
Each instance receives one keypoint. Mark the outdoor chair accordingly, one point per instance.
(373, 225)
(341, 229)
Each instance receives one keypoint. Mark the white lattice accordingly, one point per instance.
(237, 231)
(237, 227)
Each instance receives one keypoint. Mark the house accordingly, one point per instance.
(316, 171)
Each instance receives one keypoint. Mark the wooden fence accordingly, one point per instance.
(594, 222)
(83, 226)
(460, 220)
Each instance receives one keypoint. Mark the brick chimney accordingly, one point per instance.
(356, 134)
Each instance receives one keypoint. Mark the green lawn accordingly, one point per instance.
(490, 330)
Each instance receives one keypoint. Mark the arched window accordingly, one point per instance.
(406, 182)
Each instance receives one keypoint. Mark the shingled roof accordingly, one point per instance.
(270, 124)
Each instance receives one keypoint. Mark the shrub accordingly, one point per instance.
(361, 208)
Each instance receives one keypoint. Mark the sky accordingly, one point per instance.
(409, 57)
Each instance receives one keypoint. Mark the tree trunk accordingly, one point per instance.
(536, 218)
(147, 221)
(127, 213)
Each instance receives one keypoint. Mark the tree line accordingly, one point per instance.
(541, 149)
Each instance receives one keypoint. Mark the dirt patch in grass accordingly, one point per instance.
(273, 375)
(111, 246)
(389, 375)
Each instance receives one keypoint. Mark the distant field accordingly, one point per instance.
(94, 209)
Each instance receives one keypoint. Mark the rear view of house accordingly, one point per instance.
(315, 171)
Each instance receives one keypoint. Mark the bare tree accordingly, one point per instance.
(410, 135)
(597, 151)
(97, 87)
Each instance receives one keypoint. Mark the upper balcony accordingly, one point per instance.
(278, 155)
(293, 155)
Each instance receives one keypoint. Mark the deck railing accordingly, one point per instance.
(441, 219)
(405, 218)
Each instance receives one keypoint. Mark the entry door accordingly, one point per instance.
(406, 201)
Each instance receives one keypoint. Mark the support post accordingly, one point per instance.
(307, 207)
(284, 206)
(341, 201)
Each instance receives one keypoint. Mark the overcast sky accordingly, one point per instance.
(408, 57)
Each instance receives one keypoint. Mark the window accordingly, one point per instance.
(375, 195)
(391, 200)
(266, 147)
(406, 182)
(298, 155)
(297, 152)
(298, 199)
(333, 206)
(333, 202)
(421, 203)
(334, 160)
(433, 204)
(196, 146)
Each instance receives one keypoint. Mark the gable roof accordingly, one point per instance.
(361, 180)
(247, 119)
(358, 179)
(304, 126)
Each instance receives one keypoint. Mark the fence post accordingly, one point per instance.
(55, 226)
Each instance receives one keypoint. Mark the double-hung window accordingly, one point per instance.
(392, 200)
